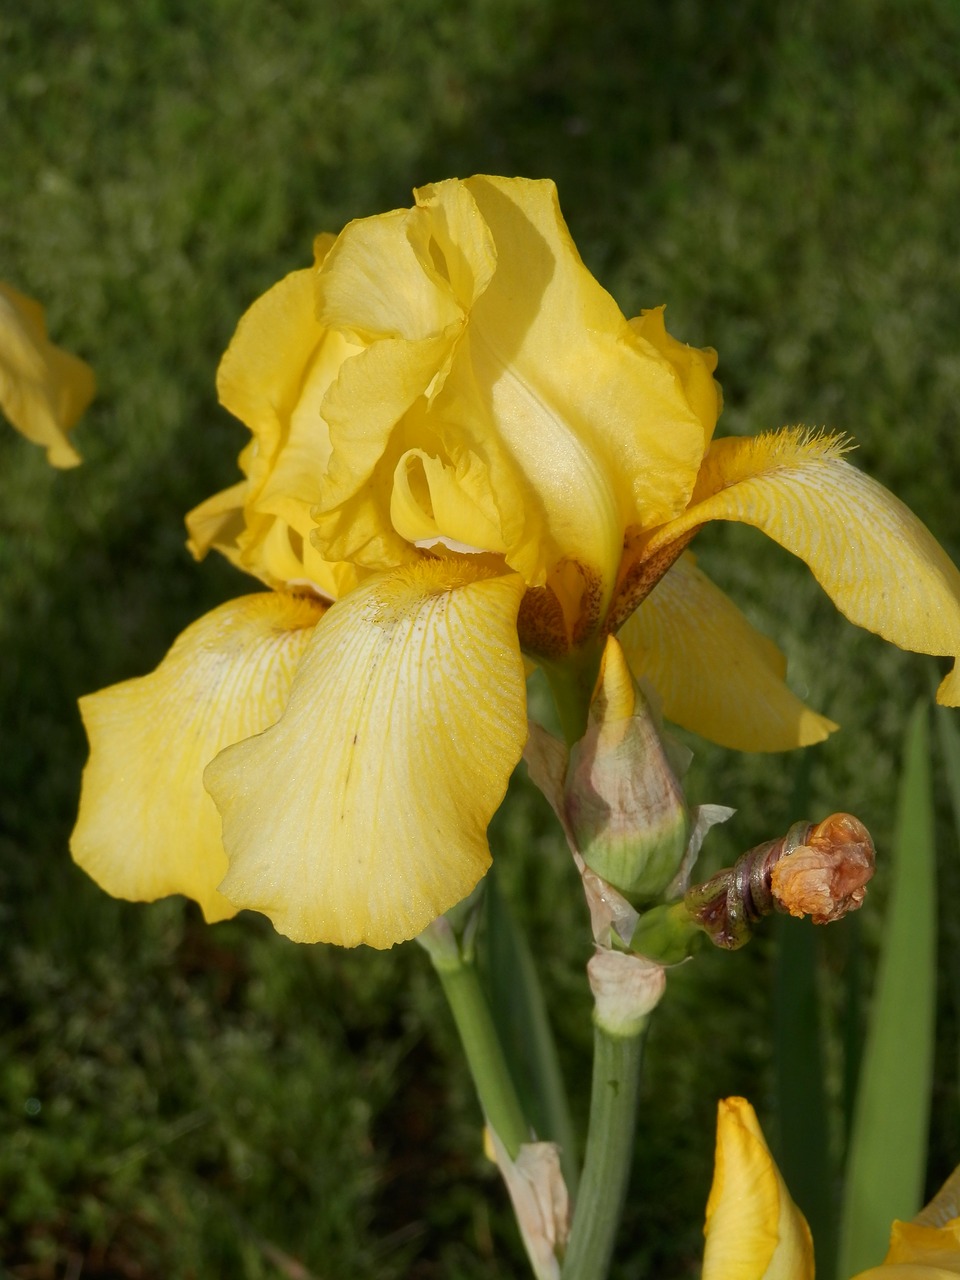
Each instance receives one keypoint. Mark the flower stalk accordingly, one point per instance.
(626, 989)
(456, 968)
(617, 1059)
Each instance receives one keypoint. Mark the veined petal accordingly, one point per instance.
(361, 815)
(753, 1229)
(43, 389)
(878, 563)
(146, 827)
(715, 673)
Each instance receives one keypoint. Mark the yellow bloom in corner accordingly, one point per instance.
(461, 452)
(43, 389)
(754, 1231)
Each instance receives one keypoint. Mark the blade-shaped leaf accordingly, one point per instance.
(520, 1013)
(887, 1155)
(803, 1147)
(949, 735)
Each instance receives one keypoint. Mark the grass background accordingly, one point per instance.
(182, 1101)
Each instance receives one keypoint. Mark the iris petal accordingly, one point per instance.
(919, 1252)
(146, 827)
(565, 402)
(716, 674)
(279, 366)
(754, 1230)
(43, 389)
(878, 563)
(371, 395)
(432, 500)
(694, 366)
(362, 814)
(262, 371)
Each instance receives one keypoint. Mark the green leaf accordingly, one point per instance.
(803, 1136)
(949, 736)
(520, 1014)
(887, 1156)
(803, 1151)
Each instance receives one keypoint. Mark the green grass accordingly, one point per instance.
(786, 179)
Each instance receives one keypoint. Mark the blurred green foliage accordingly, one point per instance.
(182, 1102)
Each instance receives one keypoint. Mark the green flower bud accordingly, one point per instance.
(622, 800)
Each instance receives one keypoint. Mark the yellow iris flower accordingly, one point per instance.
(461, 452)
(43, 389)
(754, 1231)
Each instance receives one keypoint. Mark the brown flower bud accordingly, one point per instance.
(826, 876)
(817, 869)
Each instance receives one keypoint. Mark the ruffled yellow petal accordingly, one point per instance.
(270, 371)
(276, 552)
(584, 425)
(364, 407)
(402, 284)
(753, 1229)
(274, 376)
(362, 814)
(543, 425)
(716, 674)
(879, 564)
(146, 827)
(43, 389)
(433, 500)
(218, 523)
(279, 366)
(261, 374)
(694, 366)
(375, 284)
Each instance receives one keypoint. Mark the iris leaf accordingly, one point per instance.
(804, 1147)
(520, 1013)
(887, 1156)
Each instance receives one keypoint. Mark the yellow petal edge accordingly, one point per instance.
(146, 827)
(43, 389)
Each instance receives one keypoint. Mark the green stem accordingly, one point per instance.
(606, 1170)
(481, 1045)
(571, 683)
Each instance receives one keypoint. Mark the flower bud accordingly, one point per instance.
(622, 800)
